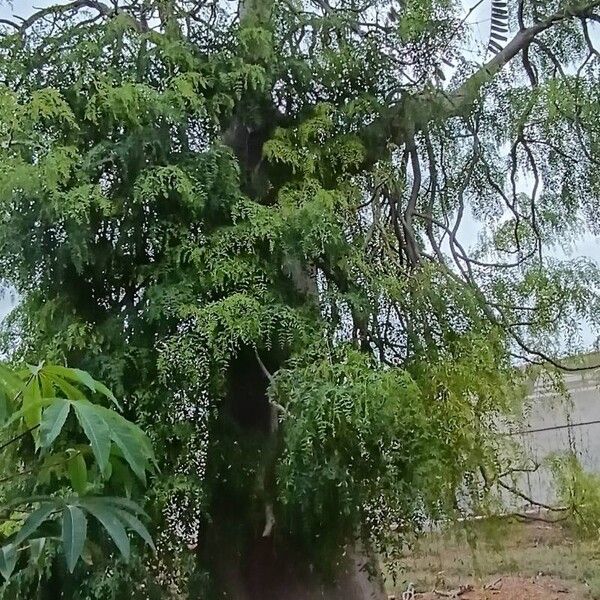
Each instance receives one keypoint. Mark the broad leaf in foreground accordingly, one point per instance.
(77, 469)
(134, 523)
(32, 523)
(131, 440)
(109, 519)
(96, 430)
(53, 420)
(73, 534)
(8, 560)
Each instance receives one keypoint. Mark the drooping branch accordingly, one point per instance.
(407, 218)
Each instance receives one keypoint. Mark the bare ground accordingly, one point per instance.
(516, 588)
(501, 560)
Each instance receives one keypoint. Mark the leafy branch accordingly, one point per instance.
(40, 412)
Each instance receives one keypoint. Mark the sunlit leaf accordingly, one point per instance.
(20, 414)
(53, 419)
(68, 389)
(11, 384)
(32, 404)
(3, 407)
(62, 375)
(46, 386)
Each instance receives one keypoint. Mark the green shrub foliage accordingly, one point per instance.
(250, 224)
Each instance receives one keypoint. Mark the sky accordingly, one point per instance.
(588, 246)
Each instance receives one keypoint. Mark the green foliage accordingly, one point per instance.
(74, 529)
(42, 507)
(225, 214)
(579, 493)
(386, 446)
(351, 445)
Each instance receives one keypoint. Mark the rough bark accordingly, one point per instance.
(271, 570)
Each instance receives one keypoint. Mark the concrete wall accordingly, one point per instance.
(555, 424)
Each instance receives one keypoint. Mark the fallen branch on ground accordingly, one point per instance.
(463, 589)
(494, 586)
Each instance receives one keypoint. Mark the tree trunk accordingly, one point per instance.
(266, 570)
(248, 558)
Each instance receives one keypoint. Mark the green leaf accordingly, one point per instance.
(46, 386)
(34, 405)
(121, 475)
(10, 382)
(53, 419)
(35, 548)
(32, 408)
(125, 503)
(69, 390)
(134, 523)
(33, 521)
(96, 430)
(130, 440)
(84, 378)
(35, 369)
(102, 389)
(3, 407)
(87, 555)
(77, 469)
(8, 560)
(107, 515)
(74, 534)
(47, 530)
(76, 375)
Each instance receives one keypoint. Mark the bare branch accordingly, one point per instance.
(56, 10)
(467, 92)
(515, 491)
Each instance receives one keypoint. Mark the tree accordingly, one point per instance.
(41, 452)
(247, 221)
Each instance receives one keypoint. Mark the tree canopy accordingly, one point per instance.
(247, 218)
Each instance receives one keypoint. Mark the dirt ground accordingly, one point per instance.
(500, 560)
(514, 588)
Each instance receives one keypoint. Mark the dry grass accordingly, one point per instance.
(538, 554)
